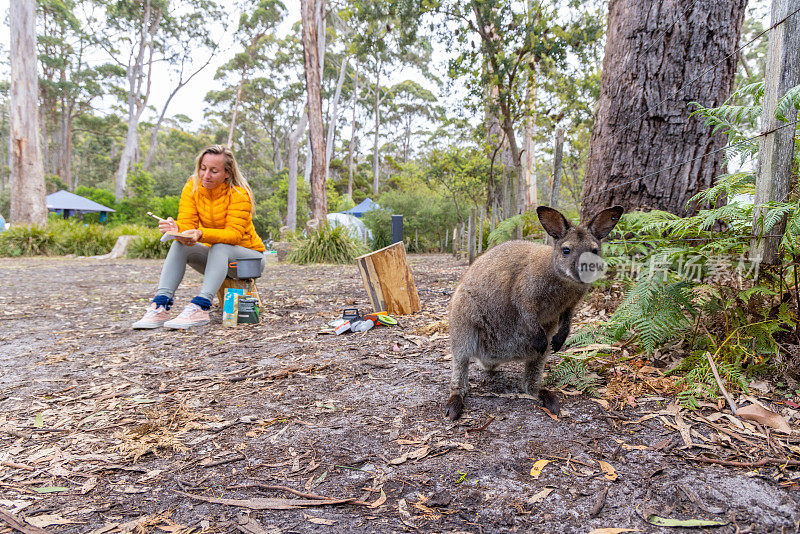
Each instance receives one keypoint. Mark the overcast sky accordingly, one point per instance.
(189, 100)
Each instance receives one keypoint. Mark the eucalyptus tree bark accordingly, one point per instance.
(139, 76)
(376, 163)
(311, 59)
(334, 116)
(294, 149)
(529, 144)
(319, 11)
(353, 134)
(235, 114)
(646, 149)
(25, 158)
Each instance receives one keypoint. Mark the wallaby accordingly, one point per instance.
(515, 302)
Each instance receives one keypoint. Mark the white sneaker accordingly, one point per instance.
(192, 315)
(154, 317)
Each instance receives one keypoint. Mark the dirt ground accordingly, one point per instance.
(276, 428)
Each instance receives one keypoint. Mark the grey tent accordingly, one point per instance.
(68, 204)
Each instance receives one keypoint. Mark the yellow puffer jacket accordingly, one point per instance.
(222, 213)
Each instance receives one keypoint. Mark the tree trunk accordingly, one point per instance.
(644, 142)
(138, 94)
(319, 200)
(529, 144)
(235, 113)
(27, 169)
(376, 166)
(334, 116)
(294, 149)
(353, 135)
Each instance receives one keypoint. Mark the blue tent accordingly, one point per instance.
(366, 205)
(67, 204)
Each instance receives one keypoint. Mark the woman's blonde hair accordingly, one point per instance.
(234, 179)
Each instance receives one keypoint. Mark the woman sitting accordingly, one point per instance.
(216, 213)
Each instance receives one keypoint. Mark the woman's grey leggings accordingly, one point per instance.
(211, 261)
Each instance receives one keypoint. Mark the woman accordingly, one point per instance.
(216, 213)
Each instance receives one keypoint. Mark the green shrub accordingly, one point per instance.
(60, 237)
(81, 239)
(380, 224)
(328, 245)
(148, 244)
(33, 240)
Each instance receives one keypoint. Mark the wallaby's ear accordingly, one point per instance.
(605, 221)
(553, 222)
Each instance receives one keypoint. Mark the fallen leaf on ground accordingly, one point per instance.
(47, 520)
(405, 515)
(542, 495)
(416, 454)
(536, 470)
(754, 412)
(628, 447)
(266, 503)
(653, 519)
(379, 501)
(50, 489)
(613, 530)
(318, 520)
(608, 470)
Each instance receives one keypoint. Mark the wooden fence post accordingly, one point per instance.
(455, 241)
(480, 231)
(776, 146)
(471, 235)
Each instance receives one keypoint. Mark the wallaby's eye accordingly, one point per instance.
(565, 250)
(595, 251)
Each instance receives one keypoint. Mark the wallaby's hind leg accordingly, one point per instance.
(459, 384)
(463, 347)
(533, 380)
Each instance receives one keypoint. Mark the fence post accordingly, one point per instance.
(776, 146)
(471, 235)
(480, 232)
(455, 241)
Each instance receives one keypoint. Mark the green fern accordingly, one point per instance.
(573, 372)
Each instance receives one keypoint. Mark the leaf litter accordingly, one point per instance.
(160, 431)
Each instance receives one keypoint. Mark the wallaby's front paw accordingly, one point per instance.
(454, 407)
(550, 401)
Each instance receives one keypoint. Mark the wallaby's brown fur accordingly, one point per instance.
(515, 303)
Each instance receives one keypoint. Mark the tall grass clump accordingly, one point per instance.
(148, 244)
(328, 245)
(61, 237)
(33, 240)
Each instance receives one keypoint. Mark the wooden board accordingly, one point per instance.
(248, 284)
(388, 280)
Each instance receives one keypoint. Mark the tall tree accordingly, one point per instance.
(254, 34)
(513, 38)
(27, 171)
(68, 84)
(186, 40)
(311, 10)
(660, 57)
(131, 40)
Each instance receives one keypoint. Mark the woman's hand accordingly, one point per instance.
(195, 234)
(167, 225)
